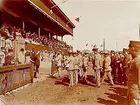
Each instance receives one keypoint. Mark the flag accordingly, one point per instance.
(77, 19)
(63, 1)
(95, 45)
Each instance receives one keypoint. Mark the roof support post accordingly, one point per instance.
(56, 37)
(23, 25)
(39, 31)
(61, 38)
(49, 35)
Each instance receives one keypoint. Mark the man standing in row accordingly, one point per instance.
(107, 68)
(97, 66)
(134, 74)
(2, 57)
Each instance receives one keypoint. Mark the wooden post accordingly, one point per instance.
(103, 45)
(49, 35)
(23, 25)
(56, 37)
(39, 32)
(61, 38)
(139, 31)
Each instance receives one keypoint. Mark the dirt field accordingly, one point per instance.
(51, 91)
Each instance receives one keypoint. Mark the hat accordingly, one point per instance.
(78, 51)
(95, 49)
(101, 52)
(106, 52)
(22, 49)
(10, 50)
(70, 52)
(74, 52)
(134, 44)
(124, 49)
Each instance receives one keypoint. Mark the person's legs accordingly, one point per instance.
(103, 78)
(71, 78)
(76, 76)
(35, 71)
(98, 78)
(59, 69)
(110, 77)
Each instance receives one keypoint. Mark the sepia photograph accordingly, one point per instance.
(69, 52)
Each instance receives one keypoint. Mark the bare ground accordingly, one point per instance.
(53, 91)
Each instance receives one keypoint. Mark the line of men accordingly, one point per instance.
(113, 65)
(119, 67)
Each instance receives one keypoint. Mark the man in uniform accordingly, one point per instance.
(2, 57)
(85, 65)
(134, 74)
(126, 63)
(70, 69)
(21, 56)
(97, 65)
(107, 68)
(80, 64)
(58, 60)
(75, 68)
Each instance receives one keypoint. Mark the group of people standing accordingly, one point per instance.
(104, 64)
(121, 68)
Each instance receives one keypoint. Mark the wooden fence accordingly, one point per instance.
(12, 77)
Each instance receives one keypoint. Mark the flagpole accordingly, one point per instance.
(103, 45)
(74, 19)
(139, 31)
(116, 46)
(58, 4)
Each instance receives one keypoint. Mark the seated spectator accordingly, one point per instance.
(2, 57)
(27, 54)
(8, 44)
(21, 56)
(9, 58)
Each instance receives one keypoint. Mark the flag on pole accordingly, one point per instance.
(77, 19)
(95, 45)
(63, 1)
(139, 31)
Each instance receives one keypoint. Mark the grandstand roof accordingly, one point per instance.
(38, 13)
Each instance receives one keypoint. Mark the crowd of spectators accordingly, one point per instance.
(8, 33)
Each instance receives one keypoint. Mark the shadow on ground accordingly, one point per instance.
(118, 97)
(90, 81)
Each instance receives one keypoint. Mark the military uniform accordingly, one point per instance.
(97, 66)
(134, 74)
(126, 64)
(75, 69)
(2, 58)
(58, 60)
(80, 64)
(107, 68)
(71, 69)
(85, 65)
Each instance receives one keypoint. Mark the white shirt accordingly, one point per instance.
(71, 63)
(21, 57)
(75, 62)
(2, 57)
(86, 59)
(59, 59)
(80, 60)
(8, 44)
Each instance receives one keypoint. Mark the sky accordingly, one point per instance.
(116, 21)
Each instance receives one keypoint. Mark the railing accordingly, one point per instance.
(12, 77)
